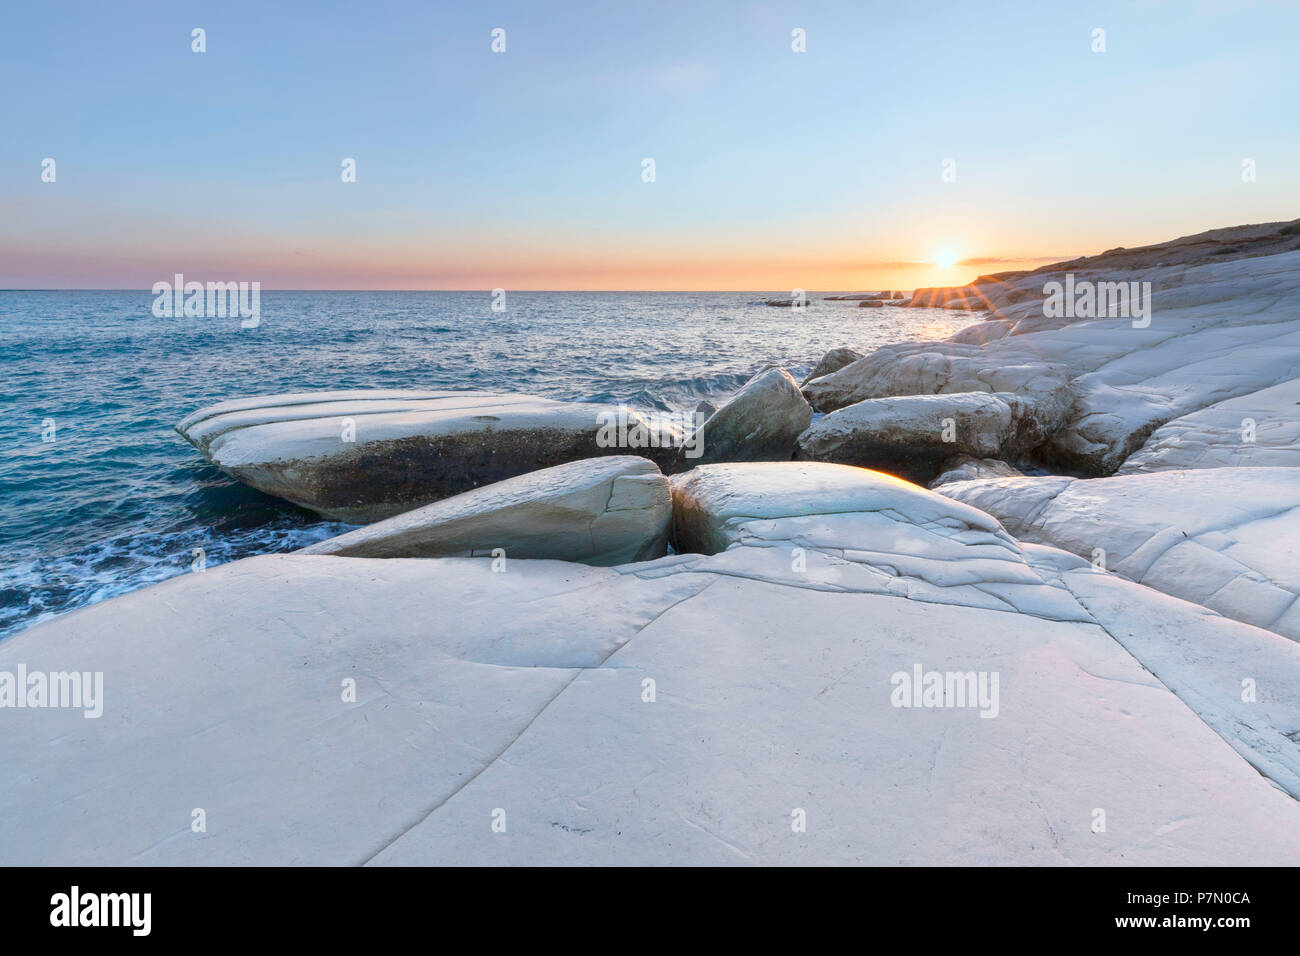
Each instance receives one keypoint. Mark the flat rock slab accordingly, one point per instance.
(361, 456)
(772, 711)
(1262, 428)
(688, 710)
(1224, 538)
(601, 511)
(243, 707)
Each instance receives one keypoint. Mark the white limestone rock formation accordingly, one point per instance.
(939, 368)
(1262, 428)
(366, 455)
(759, 423)
(1224, 538)
(1216, 330)
(601, 511)
(913, 435)
(332, 710)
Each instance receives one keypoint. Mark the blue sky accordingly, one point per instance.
(774, 169)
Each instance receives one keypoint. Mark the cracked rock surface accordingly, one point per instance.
(1224, 538)
(1217, 331)
(1261, 428)
(671, 711)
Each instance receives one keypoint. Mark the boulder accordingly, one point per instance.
(760, 423)
(1261, 428)
(936, 368)
(871, 304)
(601, 511)
(361, 456)
(912, 436)
(832, 361)
(704, 411)
(1222, 537)
(718, 506)
(334, 710)
(966, 468)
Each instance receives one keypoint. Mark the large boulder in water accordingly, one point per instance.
(366, 455)
(832, 361)
(601, 511)
(759, 423)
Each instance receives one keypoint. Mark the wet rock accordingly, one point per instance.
(760, 423)
(365, 455)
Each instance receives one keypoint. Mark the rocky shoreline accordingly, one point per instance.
(646, 640)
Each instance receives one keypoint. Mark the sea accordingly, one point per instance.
(100, 496)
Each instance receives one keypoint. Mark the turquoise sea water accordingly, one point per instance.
(118, 500)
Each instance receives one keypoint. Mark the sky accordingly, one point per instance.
(524, 169)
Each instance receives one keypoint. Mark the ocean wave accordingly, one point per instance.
(673, 394)
(39, 586)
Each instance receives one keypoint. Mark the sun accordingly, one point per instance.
(946, 258)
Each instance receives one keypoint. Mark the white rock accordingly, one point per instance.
(940, 367)
(1225, 538)
(686, 710)
(770, 710)
(1217, 331)
(913, 435)
(362, 456)
(1262, 428)
(225, 691)
(759, 423)
(601, 511)
(1243, 681)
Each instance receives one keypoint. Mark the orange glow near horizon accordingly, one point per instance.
(315, 264)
